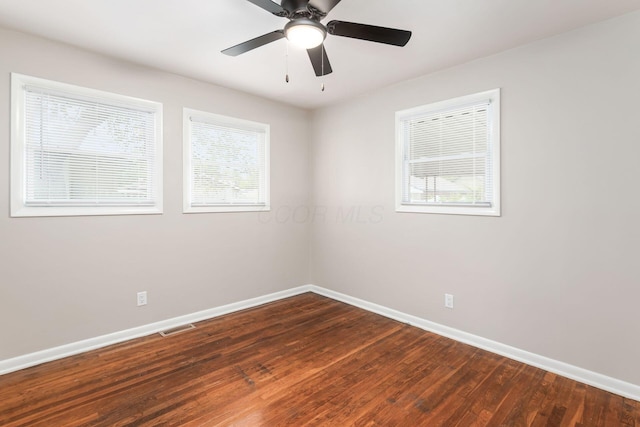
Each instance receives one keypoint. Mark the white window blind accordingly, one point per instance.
(87, 149)
(227, 163)
(449, 156)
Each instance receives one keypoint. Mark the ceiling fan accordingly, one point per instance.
(305, 30)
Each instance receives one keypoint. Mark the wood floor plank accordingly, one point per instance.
(303, 361)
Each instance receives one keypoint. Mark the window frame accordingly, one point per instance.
(492, 96)
(19, 206)
(187, 163)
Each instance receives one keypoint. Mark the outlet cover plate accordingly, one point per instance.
(142, 298)
(448, 300)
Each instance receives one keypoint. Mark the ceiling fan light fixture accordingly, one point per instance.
(305, 33)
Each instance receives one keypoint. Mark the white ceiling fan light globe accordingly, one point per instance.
(306, 34)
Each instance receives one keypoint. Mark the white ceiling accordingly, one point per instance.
(186, 37)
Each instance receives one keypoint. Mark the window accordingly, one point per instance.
(226, 164)
(448, 156)
(79, 151)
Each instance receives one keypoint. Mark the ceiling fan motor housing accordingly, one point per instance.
(295, 7)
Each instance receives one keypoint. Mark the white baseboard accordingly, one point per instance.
(613, 385)
(32, 359)
(594, 379)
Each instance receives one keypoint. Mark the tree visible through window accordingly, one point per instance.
(448, 156)
(80, 152)
(226, 161)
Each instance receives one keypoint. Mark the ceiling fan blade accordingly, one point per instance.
(254, 43)
(369, 32)
(324, 6)
(269, 6)
(320, 61)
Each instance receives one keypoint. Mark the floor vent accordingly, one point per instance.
(177, 330)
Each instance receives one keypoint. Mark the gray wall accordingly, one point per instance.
(68, 279)
(554, 275)
(557, 274)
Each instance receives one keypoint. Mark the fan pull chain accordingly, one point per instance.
(286, 62)
(322, 66)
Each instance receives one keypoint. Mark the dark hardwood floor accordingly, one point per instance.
(306, 360)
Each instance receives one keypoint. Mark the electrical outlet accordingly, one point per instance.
(448, 300)
(142, 298)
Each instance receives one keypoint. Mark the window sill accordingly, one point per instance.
(230, 208)
(449, 210)
(50, 211)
